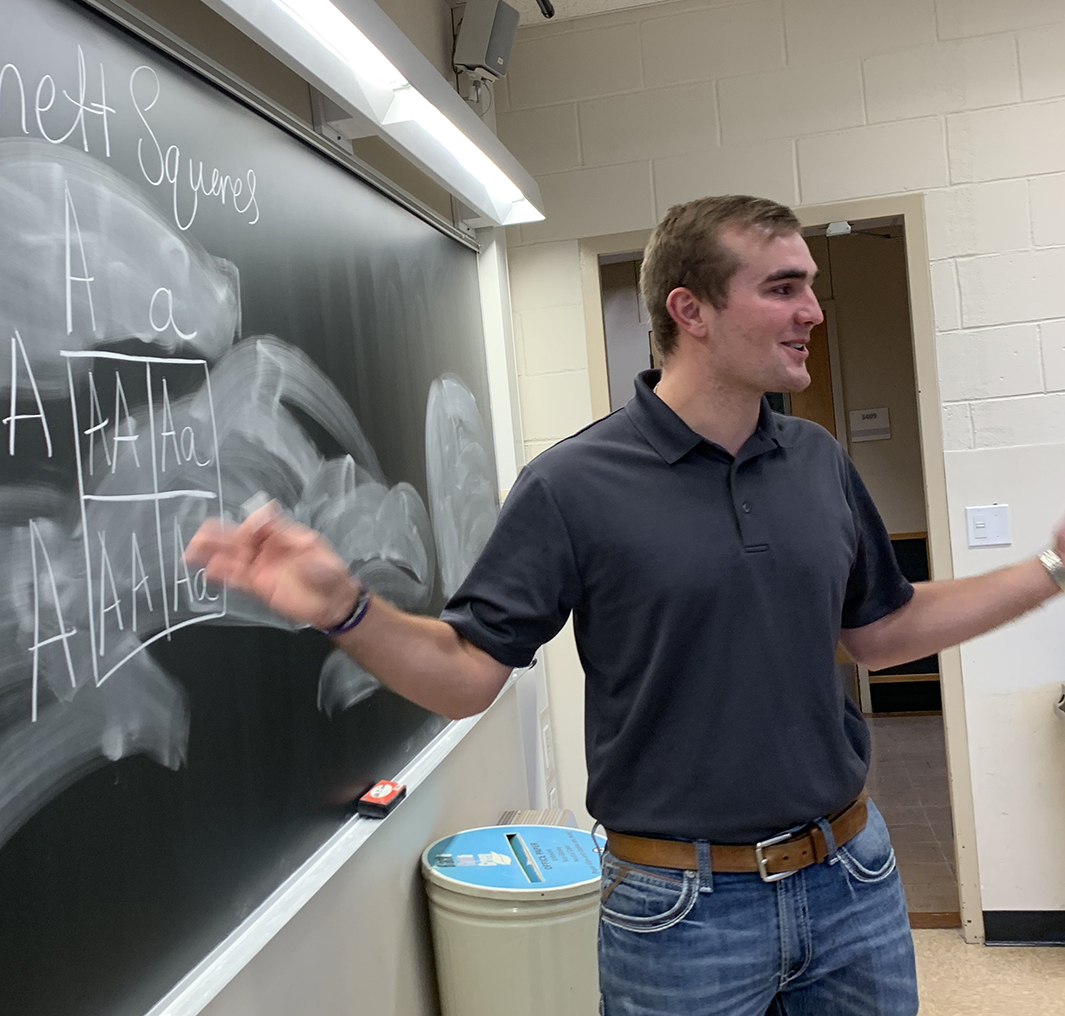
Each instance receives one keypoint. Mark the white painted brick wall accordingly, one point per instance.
(716, 43)
(576, 65)
(1048, 209)
(882, 159)
(1042, 66)
(989, 363)
(799, 100)
(1022, 286)
(765, 167)
(544, 139)
(812, 101)
(816, 31)
(551, 354)
(655, 123)
(978, 219)
(1052, 343)
(547, 275)
(958, 18)
(957, 427)
(1031, 420)
(1014, 141)
(589, 202)
(558, 340)
(945, 301)
(554, 406)
(945, 78)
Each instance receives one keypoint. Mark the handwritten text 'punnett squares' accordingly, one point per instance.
(59, 115)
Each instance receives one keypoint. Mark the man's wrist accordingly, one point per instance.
(352, 615)
(1054, 567)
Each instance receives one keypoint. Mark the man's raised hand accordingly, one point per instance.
(290, 568)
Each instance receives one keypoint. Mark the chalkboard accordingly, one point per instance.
(197, 310)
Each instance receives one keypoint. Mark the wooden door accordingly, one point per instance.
(816, 403)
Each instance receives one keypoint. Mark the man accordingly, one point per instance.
(712, 554)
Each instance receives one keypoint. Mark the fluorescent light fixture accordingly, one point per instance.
(410, 104)
(354, 54)
(336, 32)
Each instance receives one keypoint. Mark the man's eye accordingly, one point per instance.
(783, 290)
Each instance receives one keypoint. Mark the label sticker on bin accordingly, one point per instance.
(517, 857)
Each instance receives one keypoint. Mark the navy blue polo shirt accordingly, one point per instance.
(707, 592)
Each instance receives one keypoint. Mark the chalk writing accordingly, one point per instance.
(17, 78)
(39, 551)
(159, 166)
(12, 418)
(188, 179)
(97, 424)
(151, 588)
(101, 109)
(168, 303)
(70, 217)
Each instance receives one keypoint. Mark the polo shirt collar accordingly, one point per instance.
(672, 438)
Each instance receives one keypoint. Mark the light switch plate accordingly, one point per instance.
(988, 525)
(549, 748)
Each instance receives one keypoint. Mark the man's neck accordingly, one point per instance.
(718, 412)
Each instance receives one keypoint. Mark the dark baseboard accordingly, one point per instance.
(1024, 927)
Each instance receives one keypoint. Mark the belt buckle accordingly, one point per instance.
(759, 855)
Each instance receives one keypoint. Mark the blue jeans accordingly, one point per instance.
(830, 940)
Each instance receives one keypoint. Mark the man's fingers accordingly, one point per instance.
(230, 568)
(266, 523)
(213, 537)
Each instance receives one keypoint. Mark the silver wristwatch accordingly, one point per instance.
(1055, 567)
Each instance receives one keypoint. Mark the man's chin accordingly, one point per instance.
(795, 383)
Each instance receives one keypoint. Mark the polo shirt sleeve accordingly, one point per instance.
(876, 587)
(522, 588)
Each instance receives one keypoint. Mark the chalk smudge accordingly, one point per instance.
(462, 495)
(91, 546)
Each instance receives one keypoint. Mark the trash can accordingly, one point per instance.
(514, 913)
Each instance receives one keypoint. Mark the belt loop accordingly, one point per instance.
(825, 828)
(706, 872)
(595, 843)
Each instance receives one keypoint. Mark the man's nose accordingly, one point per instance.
(811, 313)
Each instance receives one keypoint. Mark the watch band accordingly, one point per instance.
(1055, 567)
(358, 612)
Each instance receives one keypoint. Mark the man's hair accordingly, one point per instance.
(686, 249)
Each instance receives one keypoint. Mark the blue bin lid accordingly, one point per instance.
(520, 858)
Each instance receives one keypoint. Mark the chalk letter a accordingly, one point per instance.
(51, 591)
(71, 219)
(131, 435)
(18, 348)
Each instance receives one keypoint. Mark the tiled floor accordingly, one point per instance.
(956, 979)
(908, 781)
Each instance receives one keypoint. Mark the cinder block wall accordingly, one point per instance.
(810, 101)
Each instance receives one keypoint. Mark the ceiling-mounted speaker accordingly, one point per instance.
(486, 37)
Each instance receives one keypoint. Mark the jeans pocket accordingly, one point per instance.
(869, 856)
(645, 900)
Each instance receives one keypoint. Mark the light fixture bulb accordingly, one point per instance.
(335, 31)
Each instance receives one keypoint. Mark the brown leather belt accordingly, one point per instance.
(774, 858)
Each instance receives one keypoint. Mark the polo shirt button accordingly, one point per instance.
(746, 508)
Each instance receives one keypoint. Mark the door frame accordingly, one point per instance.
(911, 208)
(839, 408)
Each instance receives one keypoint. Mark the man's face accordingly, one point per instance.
(758, 340)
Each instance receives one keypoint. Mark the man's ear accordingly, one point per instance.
(688, 311)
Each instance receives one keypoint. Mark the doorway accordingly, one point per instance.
(851, 360)
(863, 284)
